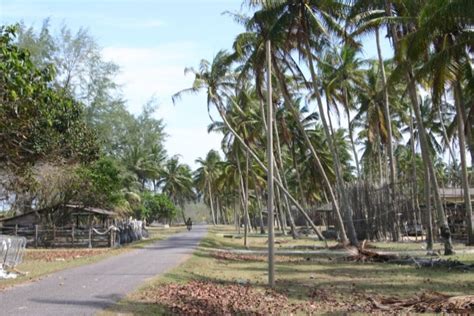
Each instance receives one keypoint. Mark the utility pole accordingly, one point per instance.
(271, 242)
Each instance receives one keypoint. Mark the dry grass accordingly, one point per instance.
(334, 286)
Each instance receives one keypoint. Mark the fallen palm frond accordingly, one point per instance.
(361, 254)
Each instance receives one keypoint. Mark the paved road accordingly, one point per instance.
(87, 289)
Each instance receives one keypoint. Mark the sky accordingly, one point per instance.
(153, 41)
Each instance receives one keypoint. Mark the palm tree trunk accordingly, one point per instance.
(280, 166)
(247, 217)
(386, 104)
(462, 151)
(445, 135)
(429, 219)
(259, 162)
(259, 205)
(352, 235)
(443, 223)
(414, 178)
(298, 176)
(210, 202)
(319, 165)
(351, 134)
(243, 199)
(388, 121)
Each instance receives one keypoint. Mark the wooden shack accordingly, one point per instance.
(453, 200)
(67, 225)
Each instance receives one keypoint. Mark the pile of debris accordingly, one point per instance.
(362, 254)
(431, 302)
(449, 263)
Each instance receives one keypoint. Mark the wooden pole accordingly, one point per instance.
(90, 237)
(271, 246)
(72, 235)
(36, 236)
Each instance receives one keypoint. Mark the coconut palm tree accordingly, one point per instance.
(177, 183)
(205, 177)
(216, 80)
(446, 34)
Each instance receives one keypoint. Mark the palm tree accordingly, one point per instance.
(294, 24)
(342, 76)
(205, 177)
(216, 79)
(303, 23)
(402, 35)
(177, 183)
(447, 34)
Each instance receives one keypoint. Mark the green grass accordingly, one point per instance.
(41, 262)
(345, 281)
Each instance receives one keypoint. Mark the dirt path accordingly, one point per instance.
(88, 289)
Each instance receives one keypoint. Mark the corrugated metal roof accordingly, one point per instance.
(87, 209)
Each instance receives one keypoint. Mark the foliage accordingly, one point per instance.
(99, 184)
(38, 121)
(157, 207)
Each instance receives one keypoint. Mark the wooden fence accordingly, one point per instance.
(62, 237)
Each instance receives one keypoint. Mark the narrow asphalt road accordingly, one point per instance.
(87, 289)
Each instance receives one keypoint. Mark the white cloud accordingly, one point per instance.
(159, 72)
(152, 71)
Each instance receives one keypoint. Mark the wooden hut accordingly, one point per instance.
(67, 225)
(453, 200)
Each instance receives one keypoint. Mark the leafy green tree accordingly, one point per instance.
(38, 122)
(157, 207)
(99, 184)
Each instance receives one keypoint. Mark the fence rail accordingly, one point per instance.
(58, 237)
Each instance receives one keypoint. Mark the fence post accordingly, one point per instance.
(36, 236)
(90, 237)
(16, 229)
(54, 236)
(72, 235)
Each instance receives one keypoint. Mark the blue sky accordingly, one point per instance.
(152, 41)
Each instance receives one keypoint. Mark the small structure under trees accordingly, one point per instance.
(453, 200)
(64, 226)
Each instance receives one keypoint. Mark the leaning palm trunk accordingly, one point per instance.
(279, 163)
(388, 121)
(244, 200)
(337, 166)
(386, 104)
(413, 94)
(462, 152)
(247, 216)
(259, 162)
(351, 134)
(443, 223)
(445, 135)
(319, 165)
